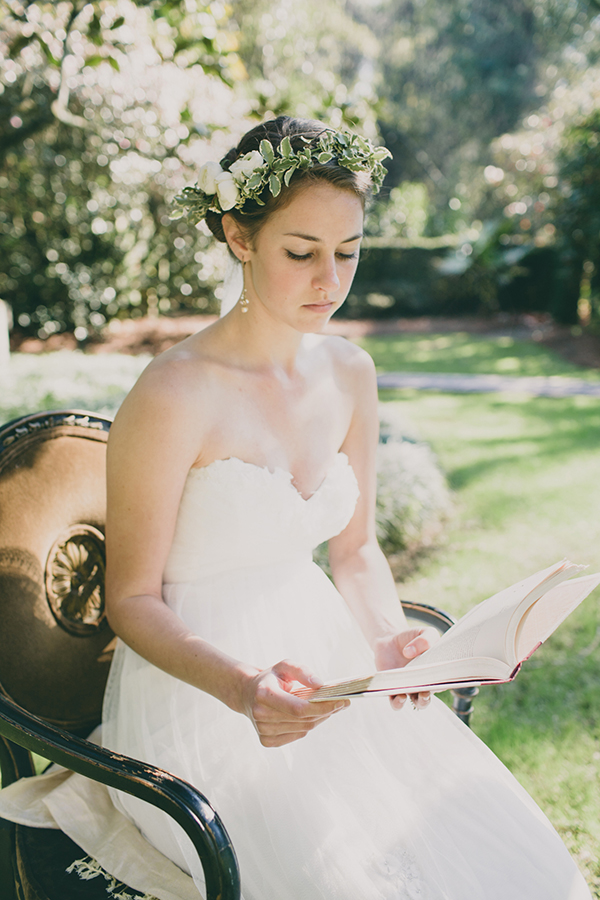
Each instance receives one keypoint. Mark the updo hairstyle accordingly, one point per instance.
(254, 216)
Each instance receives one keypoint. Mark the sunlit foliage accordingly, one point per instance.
(313, 59)
(109, 106)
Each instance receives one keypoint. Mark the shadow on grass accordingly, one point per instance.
(464, 353)
(553, 430)
(557, 690)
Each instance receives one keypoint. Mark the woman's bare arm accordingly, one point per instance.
(360, 569)
(153, 443)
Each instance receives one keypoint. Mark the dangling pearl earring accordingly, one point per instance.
(244, 302)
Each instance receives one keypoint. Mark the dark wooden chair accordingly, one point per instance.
(55, 652)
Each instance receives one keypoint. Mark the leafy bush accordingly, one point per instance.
(106, 110)
(413, 499)
(412, 495)
(578, 214)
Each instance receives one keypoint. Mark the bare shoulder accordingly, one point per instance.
(177, 377)
(345, 355)
(171, 397)
(353, 365)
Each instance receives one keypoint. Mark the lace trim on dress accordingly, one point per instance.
(402, 872)
(211, 471)
(88, 868)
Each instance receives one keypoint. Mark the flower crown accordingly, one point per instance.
(221, 188)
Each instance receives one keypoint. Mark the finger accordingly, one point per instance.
(266, 727)
(420, 643)
(280, 740)
(420, 701)
(264, 713)
(286, 707)
(288, 672)
(398, 701)
(267, 722)
(272, 694)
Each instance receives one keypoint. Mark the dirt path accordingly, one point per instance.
(453, 383)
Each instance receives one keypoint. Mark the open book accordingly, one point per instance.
(488, 645)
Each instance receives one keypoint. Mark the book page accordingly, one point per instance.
(482, 631)
(412, 677)
(553, 580)
(545, 616)
(436, 677)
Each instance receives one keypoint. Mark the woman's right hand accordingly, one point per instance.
(278, 715)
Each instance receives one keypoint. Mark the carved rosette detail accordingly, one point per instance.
(75, 580)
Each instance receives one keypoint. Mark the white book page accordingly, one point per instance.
(437, 677)
(546, 615)
(476, 668)
(483, 630)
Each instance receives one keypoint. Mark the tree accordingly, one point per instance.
(458, 75)
(577, 213)
(310, 59)
(92, 146)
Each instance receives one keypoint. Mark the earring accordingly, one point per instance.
(244, 302)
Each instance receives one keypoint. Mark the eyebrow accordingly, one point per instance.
(316, 240)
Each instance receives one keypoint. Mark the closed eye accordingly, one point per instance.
(305, 256)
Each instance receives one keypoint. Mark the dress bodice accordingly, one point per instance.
(235, 514)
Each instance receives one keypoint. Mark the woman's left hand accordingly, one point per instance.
(396, 650)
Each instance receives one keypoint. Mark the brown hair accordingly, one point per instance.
(254, 216)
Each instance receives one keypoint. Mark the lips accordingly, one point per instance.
(319, 306)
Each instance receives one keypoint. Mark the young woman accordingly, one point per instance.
(237, 452)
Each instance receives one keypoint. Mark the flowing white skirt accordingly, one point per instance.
(372, 805)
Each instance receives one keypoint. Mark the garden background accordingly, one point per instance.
(490, 214)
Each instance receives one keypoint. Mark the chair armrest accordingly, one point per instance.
(429, 615)
(462, 698)
(174, 796)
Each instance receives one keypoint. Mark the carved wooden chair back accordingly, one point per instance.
(55, 644)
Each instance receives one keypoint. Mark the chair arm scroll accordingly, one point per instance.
(174, 796)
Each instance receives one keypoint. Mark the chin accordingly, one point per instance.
(315, 323)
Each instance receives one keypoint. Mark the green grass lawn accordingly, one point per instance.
(526, 477)
(467, 353)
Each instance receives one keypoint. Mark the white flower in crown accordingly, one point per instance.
(247, 165)
(227, 190)
(207, 177)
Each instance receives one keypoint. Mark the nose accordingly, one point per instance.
(326, 279)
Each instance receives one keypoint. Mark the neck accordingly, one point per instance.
(258, 340)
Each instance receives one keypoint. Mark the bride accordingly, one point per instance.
(236, 453)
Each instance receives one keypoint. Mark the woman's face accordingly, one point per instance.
(303, 260)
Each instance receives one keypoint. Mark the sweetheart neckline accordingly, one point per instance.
(277, 470)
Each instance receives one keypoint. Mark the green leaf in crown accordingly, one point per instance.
(268, 168)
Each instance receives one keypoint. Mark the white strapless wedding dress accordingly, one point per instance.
(372, 805)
